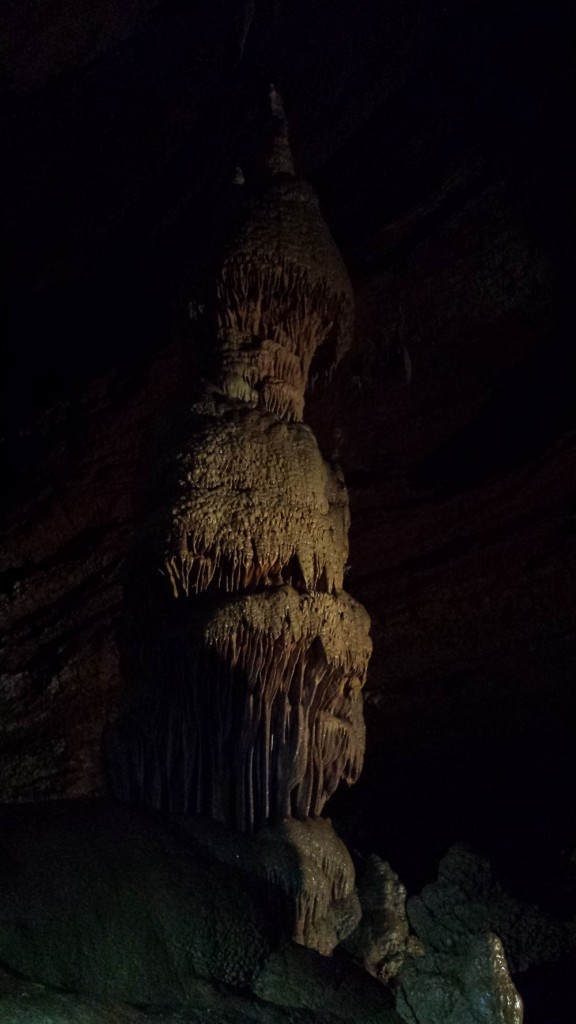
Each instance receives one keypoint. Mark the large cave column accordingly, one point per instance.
(248, 708)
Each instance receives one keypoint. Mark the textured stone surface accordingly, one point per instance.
(467, 900)
(472, 933)
(293, 976)
(254, 501)
(22, 1002)
(303, 863)
(65, 542)
(120, 907)
(101, 902)
(469, 985)
(382, 940)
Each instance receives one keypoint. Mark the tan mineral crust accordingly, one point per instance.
(264, 714)
(257, 504)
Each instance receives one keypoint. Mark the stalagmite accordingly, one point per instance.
(254, 503)
(273, 721)
(247, 698)
(278, 290)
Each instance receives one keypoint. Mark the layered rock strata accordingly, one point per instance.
(248, 708)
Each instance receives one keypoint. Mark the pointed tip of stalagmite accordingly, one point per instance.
(276, 103)
(279, 159)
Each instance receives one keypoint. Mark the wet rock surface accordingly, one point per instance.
(467, 899)
(105, 907)
(473, 933)
(469, 985)
(382, 940)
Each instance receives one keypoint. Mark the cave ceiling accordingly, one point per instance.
(436, 136)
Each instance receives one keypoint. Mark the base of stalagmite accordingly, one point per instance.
(304, 863)
(116, 907)
(104, 909)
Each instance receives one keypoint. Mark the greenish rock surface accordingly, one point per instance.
(293, 976)
(470, 985)
(24, 1002)
(101, 906)
(94, 899)
(462, 977)
(467, 900)
(382, 939)
(304, 862)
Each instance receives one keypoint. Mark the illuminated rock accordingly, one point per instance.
(382, 940)
(469, 985)
(304, 863)
(256, 505)
(246, 702)
(262, 715)
(278, 290)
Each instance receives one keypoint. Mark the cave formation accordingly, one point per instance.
(244, 711)
(264, 716)
(140, 579)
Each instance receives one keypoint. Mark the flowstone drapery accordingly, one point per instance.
(249, 705)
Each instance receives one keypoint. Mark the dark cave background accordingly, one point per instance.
(438, 136)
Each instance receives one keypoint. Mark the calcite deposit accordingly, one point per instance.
(278, 290)
(247, 706)
(255, 504)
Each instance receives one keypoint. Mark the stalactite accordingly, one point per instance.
(248, 705)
